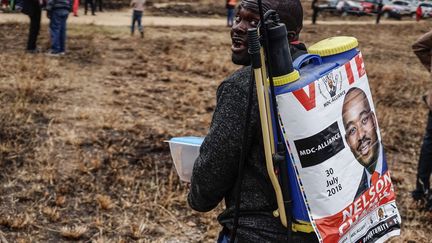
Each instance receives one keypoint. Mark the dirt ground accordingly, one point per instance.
(123, 18)
(82, 136)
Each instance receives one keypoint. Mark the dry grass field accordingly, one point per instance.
(82, 136)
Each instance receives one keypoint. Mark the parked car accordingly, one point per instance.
(329, 6)
(345, 7)
(397, 9)
(369, 6)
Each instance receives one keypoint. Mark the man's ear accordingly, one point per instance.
(292, 36)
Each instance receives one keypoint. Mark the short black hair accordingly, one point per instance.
(290, 13)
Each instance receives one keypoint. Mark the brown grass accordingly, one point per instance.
(82, 149)
(74, 232)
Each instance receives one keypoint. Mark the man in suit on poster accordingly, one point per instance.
(361, 136)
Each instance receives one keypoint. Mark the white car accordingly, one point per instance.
(349, 7)
(397, 9)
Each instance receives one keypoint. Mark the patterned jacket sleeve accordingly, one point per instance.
(215, 170)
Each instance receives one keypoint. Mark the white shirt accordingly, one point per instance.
(378, 167)
(138, 5)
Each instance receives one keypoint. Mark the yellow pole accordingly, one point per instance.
(267, 100)
(267, 139)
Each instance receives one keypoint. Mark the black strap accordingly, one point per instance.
(243, 156)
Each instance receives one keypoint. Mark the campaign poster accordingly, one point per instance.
(332, 134)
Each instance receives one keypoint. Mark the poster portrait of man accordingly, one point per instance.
(381, 214)
(361, 135)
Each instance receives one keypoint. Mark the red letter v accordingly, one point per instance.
(308, 101)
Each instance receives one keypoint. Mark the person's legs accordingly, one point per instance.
(85, 6)
(314, 15)
(230, 16)
(63, 29)
(31, 43)
(100, 5)
(140, 27)
(378, 17)
(35, 19)
(93, 7)
(55, 32)
(133, 22)
(75, 7)
(424, 168)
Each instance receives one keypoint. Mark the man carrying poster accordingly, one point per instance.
(361, 136)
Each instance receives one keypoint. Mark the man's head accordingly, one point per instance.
(330, 83)
(290, 13)
(360, 128)
(380, 213)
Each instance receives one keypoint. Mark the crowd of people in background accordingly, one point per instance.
(93, 6)
(58, 12)
(10, 5)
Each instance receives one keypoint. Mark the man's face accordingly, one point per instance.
(330, 83)
(380, 213)
(247, 17)
(360, 128)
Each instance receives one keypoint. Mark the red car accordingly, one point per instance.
(368, 7)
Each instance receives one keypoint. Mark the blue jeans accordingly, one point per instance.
(230, 16)
(58, 30)
(136, 17)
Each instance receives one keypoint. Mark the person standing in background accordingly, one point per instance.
(423, 50)
(92, 6)
(57, 12)
(32, 8)
(379, 11)
(419, 13)
(230, 6)
(138, 9)
(315, 10)
(75, 7)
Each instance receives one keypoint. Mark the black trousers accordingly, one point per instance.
(35, 21)
(424, 168)
(99, 4)
(314, 15)
(378, 17)
(92, 6)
